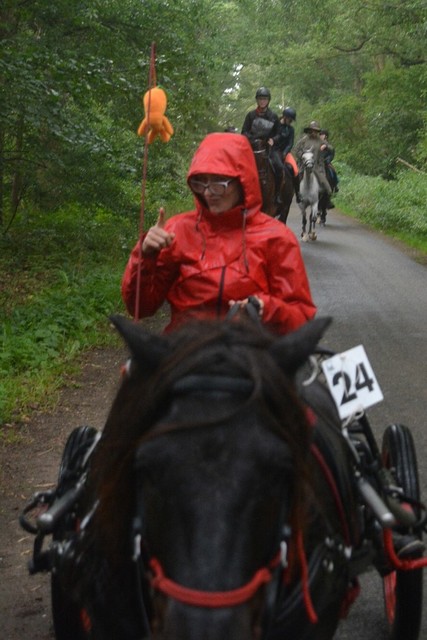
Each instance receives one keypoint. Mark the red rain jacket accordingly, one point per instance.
(216, 258)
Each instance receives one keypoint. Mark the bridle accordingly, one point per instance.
(274, 574)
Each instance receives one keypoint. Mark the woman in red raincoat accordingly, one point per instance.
(223, 251)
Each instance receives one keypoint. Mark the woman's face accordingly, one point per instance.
(262, 103)
(220, 193)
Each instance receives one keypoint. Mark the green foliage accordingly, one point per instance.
(60, 285)
(358, 69)
(75, 77)
(396, 206)
(59, 281)
(72, 77)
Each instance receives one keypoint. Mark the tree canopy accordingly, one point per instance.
(72, 76)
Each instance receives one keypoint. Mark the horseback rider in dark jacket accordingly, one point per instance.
(328, 153)
(284, 141)
(263, 124)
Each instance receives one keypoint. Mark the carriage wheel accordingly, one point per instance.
(69, 621)
(403, 590)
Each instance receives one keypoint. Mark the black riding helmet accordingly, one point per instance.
(263, 92)
(288, 112)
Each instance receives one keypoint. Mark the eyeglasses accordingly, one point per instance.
(215, 188)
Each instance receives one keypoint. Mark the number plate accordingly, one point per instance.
(351, 381)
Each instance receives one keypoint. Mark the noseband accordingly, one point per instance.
(211, 599)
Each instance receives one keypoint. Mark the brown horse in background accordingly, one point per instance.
(286, 194)
(275, 205)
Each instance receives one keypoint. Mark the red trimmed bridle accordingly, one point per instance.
(210, 599)
(234, 597)
(276, 571)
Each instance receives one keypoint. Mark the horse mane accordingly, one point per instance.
(233, 349)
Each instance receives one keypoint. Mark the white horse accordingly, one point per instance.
(309, 192)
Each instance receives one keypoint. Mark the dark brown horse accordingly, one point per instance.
(286, 195)
(275, 205)
(203, 476)
(217, 504)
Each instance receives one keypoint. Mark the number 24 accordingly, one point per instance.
(362, 381)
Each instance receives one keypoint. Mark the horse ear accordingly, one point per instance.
(292, 350)
(147, 349)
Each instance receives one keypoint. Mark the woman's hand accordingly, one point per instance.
(251, 300)
(157, 238)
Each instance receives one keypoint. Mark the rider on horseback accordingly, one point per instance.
(284, 141)
(328, 154)
(311, 141)
(262, 123)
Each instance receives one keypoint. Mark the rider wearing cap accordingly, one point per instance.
(284, 141)
(311, 141)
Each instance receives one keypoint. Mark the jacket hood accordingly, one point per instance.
(229, 155)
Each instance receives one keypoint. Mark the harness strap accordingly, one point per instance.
(210, 599)
(309, 607)
(334, 489)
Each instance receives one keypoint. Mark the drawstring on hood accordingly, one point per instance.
(245, 258)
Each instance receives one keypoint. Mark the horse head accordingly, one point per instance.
(199, 476)
(308, 158)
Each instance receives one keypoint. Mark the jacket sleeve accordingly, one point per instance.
(157, 275)
(275, 131)
(247, 125)
(329, 153)
(289, 303)
(289, 141)
(280, 139)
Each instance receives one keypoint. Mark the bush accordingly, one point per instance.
(61, 279)
(396, 206)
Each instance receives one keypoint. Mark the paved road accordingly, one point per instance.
(377, 296)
